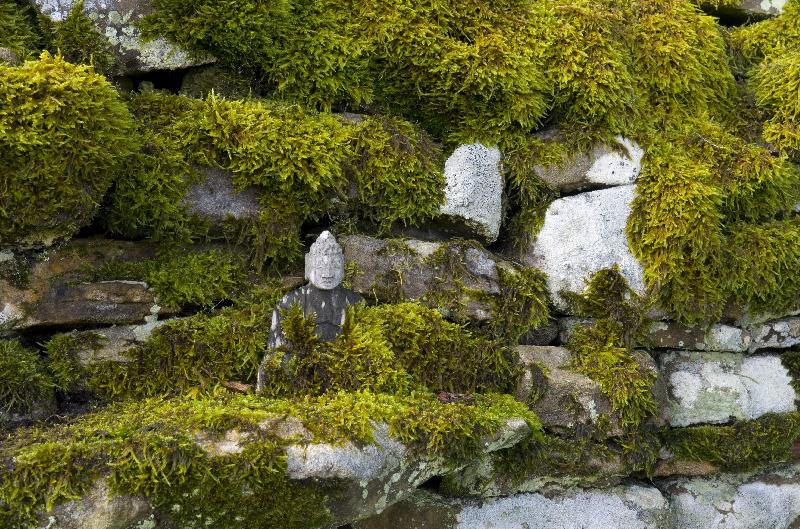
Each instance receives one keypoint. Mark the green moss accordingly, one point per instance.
(24, 380)
(603, 351)
(388, 348)
(18, 30)
(741, 446)
(301, 163)
(154, 448)
(791, 361)
(63, 358)
(192, 354)
(63, 134)
(181, 278)
(76, 39)
(763, 260)
(522, 304)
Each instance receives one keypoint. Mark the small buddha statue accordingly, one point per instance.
(323, 295)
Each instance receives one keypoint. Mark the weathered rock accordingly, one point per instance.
(214, 199)
(582, 235)
(723, 338)
(473, 196)
(716, 387)
(115, 20)
(376, 476)
(771, 499)
(630, 507)
(778, 334)
(9, 57)
(98, 509)
(599, 166)
(446, 275)
(544, 335)
(566, 402)
(111, 343)
(751, 9)
(53, 293)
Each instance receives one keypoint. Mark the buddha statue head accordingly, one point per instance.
(325, 262)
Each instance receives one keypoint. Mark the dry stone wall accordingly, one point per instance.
(510, 354)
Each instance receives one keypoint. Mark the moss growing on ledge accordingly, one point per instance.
(180, 278)
(159, 449)
(603, 351)
(63, 134)
(194, 354)
(389, 348)
(300, 163)
(742, 446)
(24, 380)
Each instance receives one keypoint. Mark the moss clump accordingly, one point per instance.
(603, 351)
(522, 305)
(194, 354)
(180, 279)
(301, 163)
(388, 348)
(63, 134)
(695, 192)
(24, 380)
(155, 448)
(18, 30)
(744, 445)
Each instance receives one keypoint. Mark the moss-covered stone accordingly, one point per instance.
(153, 448)
(388, 348)
(25, 384)
(64, 133)
(301, 163)
(742, 446)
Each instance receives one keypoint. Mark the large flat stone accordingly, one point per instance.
(718, 387)
(582, 235)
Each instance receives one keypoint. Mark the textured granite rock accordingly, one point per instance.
(599, 166)
(723, 338)
(214, 198)
(473, 203)
(582, 235)
(716, 387)
(776, 334)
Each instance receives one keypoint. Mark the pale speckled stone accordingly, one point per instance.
(713, 387)
(599, 166)
(632, 507)
(736, 501)
(582, 235)
(778, 334)
(98, 509)
(473, 195)
(719, 337)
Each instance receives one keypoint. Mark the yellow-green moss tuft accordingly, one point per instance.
(24, 380)
(64, 133)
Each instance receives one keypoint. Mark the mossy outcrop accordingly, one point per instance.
(64, 132)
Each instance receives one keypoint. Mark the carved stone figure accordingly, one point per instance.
(324, 296)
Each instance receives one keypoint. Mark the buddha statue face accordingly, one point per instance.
(325, 262)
